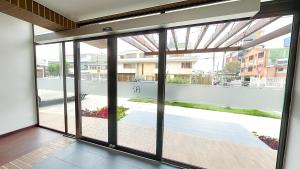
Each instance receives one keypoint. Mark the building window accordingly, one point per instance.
(129, 66)
(282, 61)
(250, 69)
(129, 56)
(261, 55)
(281, 69)
(251, 57)
(186, 65)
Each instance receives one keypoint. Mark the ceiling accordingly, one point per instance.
(78, 10)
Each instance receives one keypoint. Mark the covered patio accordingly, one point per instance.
(203, 138)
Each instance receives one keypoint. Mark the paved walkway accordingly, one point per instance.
(223, 131)
(187, 148)
(198, 137)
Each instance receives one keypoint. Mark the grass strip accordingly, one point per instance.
(251, 112)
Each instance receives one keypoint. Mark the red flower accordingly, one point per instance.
(104, 112)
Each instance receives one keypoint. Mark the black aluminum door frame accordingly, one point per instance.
(112, 90)
(112, 93)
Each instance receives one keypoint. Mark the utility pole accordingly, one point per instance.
(224, 54)
(213, 69)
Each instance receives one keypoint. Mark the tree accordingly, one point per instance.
(53, 69)
(232, 67)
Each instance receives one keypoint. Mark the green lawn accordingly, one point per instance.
(251, 112)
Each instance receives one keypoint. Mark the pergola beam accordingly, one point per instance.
(279, 32)
(143, 42)
(35, 13)
(187, 36)
(219, 29)
(132, 42)
(257, 26)
(151, 40)
(174, 38)
(241, 25)
(201, 35)
(208, 50)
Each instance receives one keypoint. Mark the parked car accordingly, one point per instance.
(245, 83)
(236, 83)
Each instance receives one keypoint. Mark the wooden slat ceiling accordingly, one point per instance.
(33, 12)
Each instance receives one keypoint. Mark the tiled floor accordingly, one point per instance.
(80, 155)
(39, 154)
(26, 141)
(212, 152)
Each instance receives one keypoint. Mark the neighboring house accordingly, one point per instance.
(232, 57)
(264, 63)
(40, 71)
(134, 65)
(93, 66)
(41, 68)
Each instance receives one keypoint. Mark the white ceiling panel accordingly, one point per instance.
(79, 10)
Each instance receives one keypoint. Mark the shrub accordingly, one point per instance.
(178, 80)
(121, 112)
(103, 112)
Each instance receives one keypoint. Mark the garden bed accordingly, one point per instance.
(103, 112)
(271, 142)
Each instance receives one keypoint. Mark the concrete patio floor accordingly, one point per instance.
(198, 137)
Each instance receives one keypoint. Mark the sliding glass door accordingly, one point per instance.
(49, 74)
(137, 74)
(55, 86)
(70, 89)
(93, 89)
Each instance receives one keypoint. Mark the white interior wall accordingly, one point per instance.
(293, 144)
(17, 98)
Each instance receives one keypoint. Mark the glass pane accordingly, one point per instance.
(93, 72)
(70, 87)
(223, 109)
(137, 81)
(50, 86)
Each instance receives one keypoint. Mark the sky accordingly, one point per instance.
(205, 63)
